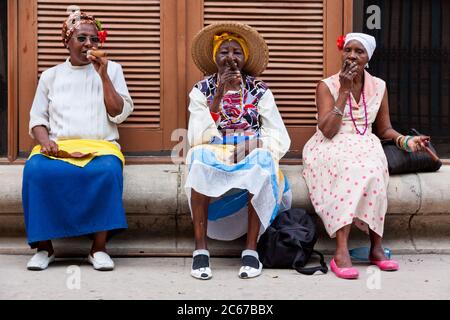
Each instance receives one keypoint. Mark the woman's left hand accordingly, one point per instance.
(418, 143)
(100, 65)
(243, 149)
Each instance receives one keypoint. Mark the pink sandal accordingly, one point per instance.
(344, 273)
(386, 265)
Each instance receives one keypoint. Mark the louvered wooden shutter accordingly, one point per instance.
(133, 41)
(294, 32)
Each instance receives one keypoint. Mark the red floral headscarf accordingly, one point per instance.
(73, 22)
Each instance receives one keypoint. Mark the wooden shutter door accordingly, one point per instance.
(151, 39)
(138, 31)
(295, 32)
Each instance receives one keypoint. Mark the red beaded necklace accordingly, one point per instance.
(365, 113)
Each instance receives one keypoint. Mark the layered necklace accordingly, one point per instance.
(366, 125)
(241, 108)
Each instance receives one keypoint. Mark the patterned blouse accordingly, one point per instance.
(239, 109)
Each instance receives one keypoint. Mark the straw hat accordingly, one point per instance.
(202, 47)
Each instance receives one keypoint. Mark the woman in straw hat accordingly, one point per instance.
(73, 181)
(234, 184)
(345, 167)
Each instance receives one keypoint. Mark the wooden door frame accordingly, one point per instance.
(142, 140)
(337, 20)
(12, 102)
(27, 71)
(195, 12)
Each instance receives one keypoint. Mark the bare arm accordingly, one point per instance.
(329, 121)
(229, 78)
(384, 130)
(217, 98)
(47, 146)
(383, 126)
(113, 100)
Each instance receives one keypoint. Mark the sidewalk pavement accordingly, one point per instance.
(419, 277)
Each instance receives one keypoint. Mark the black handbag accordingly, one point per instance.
(289, 243)
(400, 161)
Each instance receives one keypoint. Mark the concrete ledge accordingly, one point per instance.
(160, 224)
(158, 189)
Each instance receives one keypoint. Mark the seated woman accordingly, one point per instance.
(345, 167)
(234, 185)
(73, 182)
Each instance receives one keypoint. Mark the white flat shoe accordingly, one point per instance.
(200, 265)
(40, 261)
(251, 266)
(101, 261)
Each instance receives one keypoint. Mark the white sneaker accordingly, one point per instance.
(101, 261)
(200, 265)
(40, 261)
(251, 266)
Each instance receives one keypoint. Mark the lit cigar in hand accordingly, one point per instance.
(96, 53)
(430, 152)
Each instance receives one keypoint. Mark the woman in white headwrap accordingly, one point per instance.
(345, 167)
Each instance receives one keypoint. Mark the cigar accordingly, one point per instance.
(97, 53)
(432, 154)
(75, 155)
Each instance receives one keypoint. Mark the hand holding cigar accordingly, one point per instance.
(99, 60)
(425, 146)
(96, 53)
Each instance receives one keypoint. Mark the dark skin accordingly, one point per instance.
(200, 204)
(351, 78)
(113, 102)
(230, 62)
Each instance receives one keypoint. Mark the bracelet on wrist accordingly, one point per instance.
(397, 141)
(337, 111)
(405, 144)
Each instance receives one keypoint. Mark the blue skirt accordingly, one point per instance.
(62, 200)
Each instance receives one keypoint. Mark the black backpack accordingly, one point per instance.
(289, 241)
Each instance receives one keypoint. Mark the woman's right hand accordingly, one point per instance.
(243, 149)
(347, 75)
(230, 77)
(49, 147)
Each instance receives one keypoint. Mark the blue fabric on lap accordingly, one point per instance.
(63, 200)
(259, 157)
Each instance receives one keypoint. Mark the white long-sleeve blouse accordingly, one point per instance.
(69, 102)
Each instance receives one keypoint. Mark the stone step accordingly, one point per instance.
(158, 189)
(160, 224)
(166, 246)
(403, 235)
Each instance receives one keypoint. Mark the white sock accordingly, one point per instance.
(200, 251)
(248, 252)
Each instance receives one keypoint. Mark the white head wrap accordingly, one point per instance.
(366, 40)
